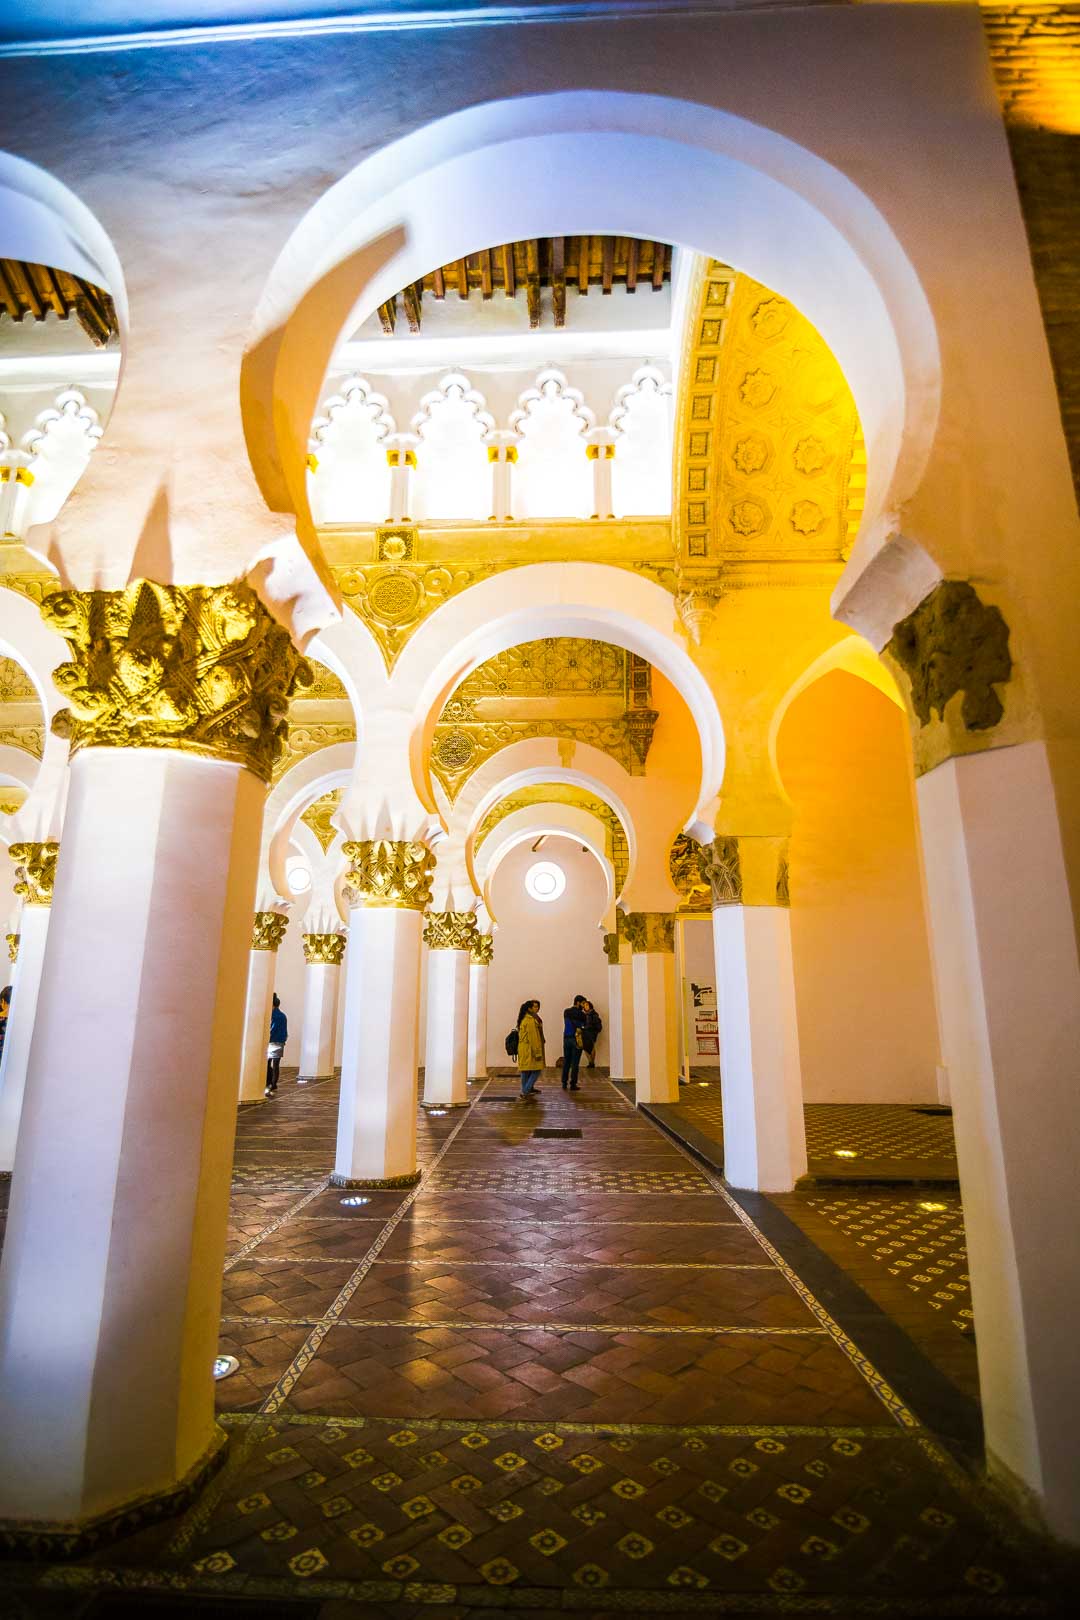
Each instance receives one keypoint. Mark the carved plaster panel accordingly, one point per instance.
(317, 817)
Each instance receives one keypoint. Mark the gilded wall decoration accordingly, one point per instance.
(389, 872)
(650, 932)
(616, 847)
(318, 816)
(783, 881)
(723, 871)
(393, 597)
(13, 947)
(953, 642)
(22, 722)
(449, 930)
(35, 870)
(29, 737)
(562, 686)
(15, 684)
(200, 668)
(324, 950)
(770, 462)
(688, 865)
(268, 930)
(308, 737)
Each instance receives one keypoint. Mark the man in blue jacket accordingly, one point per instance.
(573, 1025)
(279, 1034)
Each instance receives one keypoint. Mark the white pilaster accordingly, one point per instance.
(262, 965)
(656, 1058)
(478, 1015)
(110, 1285)
(376, 1139)
(761, 1081)
(600, 449)
(446, 1048)
(621, 1015)
(502, 454)
(1004, 946)
(25, 986)
(401, 456)
(322, 982)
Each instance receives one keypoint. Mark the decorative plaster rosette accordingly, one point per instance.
(268, 930)
(202, 668)
(449, 930)
(326, 950)
(650, 931)
(35, 871)
(389, 872)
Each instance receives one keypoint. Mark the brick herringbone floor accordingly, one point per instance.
(559, 1376)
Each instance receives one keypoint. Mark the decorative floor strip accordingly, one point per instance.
(483, 1220)
(566, 1426)
(652, 1328)
(260, 1237)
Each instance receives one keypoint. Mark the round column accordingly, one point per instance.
(35, 874)
(110, 1284)
(620, 1005)
(651, 935)
(324, 954)
(388, 888)
(448, 936)
(267, 933)
(480, 955)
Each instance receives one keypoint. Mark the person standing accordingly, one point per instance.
(573, 1035)
(279, 1034)
(530, 1052)
(590, 1034)
(5, 1008)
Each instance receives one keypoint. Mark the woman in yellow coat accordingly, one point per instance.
(530, 1052)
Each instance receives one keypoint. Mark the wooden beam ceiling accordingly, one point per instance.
(36, 291)
(577, 263)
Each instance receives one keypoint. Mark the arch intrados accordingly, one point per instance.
(591, 160)
(539, 776)
(301, 786)
(850, 656)
(546, 826)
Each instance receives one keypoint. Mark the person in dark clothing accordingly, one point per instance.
(573, 1027)
(279, 1034)
(590, 1034)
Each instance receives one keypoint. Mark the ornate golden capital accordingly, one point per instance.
(268, 930)
(611, 949)
(449, 930)
(326, 950)
(389, 872)
(783, 877)
(482, 949)
(203, 668)
(650, 931)
(13, 947)
(35, 871)
(722, 870)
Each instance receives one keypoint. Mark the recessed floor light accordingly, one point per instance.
(934, 1209)
(436, 1113)
(358, 1198)
(844, 1153)
(225, 1366)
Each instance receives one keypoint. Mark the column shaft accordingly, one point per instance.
(446, 1048)
(1004, 946)
(478, 1016)
(761, 1082)
(262, 966)
(110, 1285)
(621, 1016)
(656, 1058)
(25, 987)
(376, 1138)
(321, 984)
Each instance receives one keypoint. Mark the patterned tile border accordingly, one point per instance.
(567, 1426)
(529, 1265)
(711, 1329)
(260, 1237)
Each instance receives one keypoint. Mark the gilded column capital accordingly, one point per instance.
(722, 869)
(611, 949)
(482, 950)
(201, 668)
(449, 930)
(783, 877)
(650, 932)
(13, 947)
(268, 930)
(35, 871)
(389, 872)
(324, 950)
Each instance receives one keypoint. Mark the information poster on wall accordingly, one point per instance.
(702, 1028)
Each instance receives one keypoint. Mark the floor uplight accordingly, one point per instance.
(353, 1201)
(933, 1209)
(845, 1153)
(225, 1366)
(436, 1113)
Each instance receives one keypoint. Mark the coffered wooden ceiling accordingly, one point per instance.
(566, 264)
(36, 290)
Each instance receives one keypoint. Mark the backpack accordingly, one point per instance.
(511, 1043)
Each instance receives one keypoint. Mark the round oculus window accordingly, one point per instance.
(545, 881)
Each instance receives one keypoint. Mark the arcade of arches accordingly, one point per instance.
(407, 612)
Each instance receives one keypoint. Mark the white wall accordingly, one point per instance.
(553, 951)
(699, 967)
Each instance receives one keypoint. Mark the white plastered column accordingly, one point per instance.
(760, 1074)
(25, 989)
(110, 1284)
(656, 1058)
(323, 954)
(267, 933)
(620, 1008)
(479, 972)
(448, 936)
(1005, 953)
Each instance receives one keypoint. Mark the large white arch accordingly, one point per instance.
(553, 599)
(301, 786)
(582, 161)
(538, 821)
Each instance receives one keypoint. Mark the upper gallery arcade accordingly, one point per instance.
(625, 452)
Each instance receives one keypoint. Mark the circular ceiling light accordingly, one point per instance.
(298, 877)
(545, 881)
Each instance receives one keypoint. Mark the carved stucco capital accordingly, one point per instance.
(449, 930)
(482, 950)
(324, 950)
(35, 871)
(268, 930)
(389, 872)
(650, 932)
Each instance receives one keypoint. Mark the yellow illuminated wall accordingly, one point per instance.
(867, 1018)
